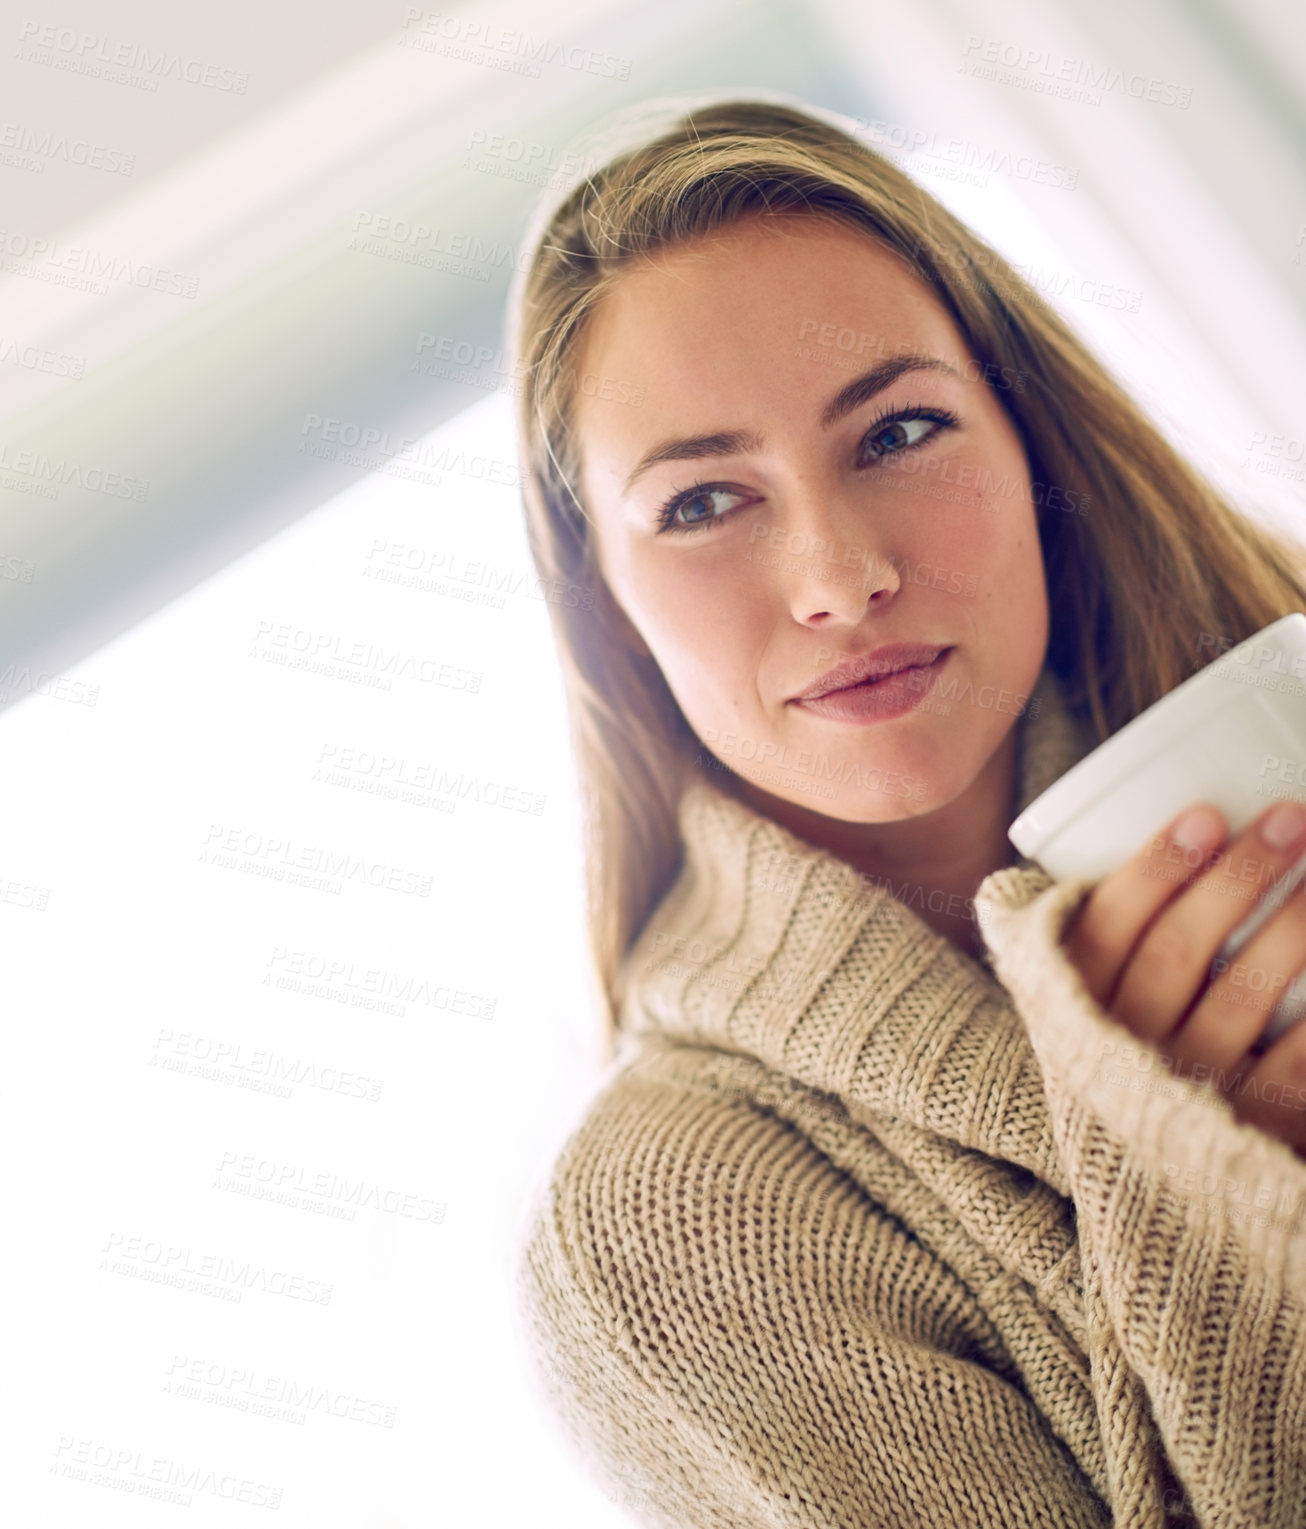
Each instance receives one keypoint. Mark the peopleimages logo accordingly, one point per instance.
(488, 42)
(50, 474)
(1064, 76)
(897, 138)
(142, 1474)
(41, 145)
(87, 48)
(780, 760)
(34, 358)
(294, 1178)
(244, 1389)
(97, 265)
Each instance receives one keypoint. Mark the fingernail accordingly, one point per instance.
(1199, 828)
(1285, 824)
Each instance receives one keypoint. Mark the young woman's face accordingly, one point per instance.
(826, 526)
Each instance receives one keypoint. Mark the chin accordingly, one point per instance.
(905, 788)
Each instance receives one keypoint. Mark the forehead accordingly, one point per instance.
(772, 267)
(763, 320)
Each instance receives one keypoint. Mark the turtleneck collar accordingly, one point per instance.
(772, 947)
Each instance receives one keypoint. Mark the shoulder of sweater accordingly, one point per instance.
(732, 1326)
(662, 1099)
(680, 1135)
(602, 1229)
(660, 1083)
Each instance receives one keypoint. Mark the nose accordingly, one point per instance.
(825, 563)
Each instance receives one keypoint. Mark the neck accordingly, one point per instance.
(934, 862)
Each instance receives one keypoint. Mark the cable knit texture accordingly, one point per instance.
(858, 1231)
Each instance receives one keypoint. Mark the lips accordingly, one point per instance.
(876, 665)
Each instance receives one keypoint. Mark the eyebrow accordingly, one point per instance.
(727, 443)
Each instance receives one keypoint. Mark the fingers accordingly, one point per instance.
(1113, 917)
(1271, 1094)
(1231, 1014)
(1171, 963)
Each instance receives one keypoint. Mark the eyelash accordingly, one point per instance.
(666, 515)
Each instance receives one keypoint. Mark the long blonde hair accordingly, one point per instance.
(1152, 582)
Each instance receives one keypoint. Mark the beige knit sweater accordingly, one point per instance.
(854, 1233)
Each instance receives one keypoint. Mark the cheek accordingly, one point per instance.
(703, 618)
(990, 529)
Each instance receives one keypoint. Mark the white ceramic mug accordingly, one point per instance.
(1233, 734)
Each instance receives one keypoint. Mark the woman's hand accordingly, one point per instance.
(1145, 938)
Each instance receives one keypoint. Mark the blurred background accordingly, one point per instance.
(290, 888)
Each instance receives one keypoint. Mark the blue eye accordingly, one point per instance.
(883, 440)
(895, 433)
(691, 496)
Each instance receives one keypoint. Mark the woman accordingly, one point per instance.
(920, 1190)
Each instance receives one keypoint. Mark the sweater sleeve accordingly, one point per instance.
(1192, 1224)
(733, 1335)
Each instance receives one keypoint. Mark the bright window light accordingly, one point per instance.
(296, 984)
